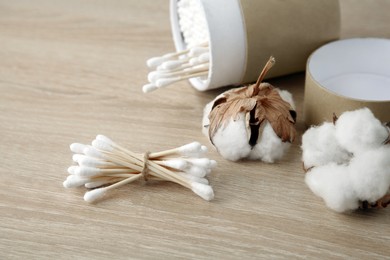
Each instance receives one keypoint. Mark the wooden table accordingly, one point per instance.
(72, 69)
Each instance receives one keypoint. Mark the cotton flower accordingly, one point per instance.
(348, 161)
(254, 122)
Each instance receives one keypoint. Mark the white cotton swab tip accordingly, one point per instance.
(203, 190)
(166, 81)
(149, 88)
(73, 181)
(197, 171)
(77, 157)
(93, 195)
(85, 171)
(92, 152)
(77, 147)
(178, 164)
(172, 64)
(191, 149)
(72, 169)
(204, 58)
(101, 145)
(105, 139)
(93, 162)
(193, 178)
(153, 76)
(201, 162)
(155, 61)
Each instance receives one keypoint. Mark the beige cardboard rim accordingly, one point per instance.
(346, 75)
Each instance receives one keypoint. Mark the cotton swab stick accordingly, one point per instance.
(155, 61)
(163, 82)
(104, 165)
(156, 75)
(168, 81)
(185, 150)
(96, 194)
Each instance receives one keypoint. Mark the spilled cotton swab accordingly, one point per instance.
(104, 165)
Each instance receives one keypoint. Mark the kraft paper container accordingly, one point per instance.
(347, 75)
(243, 34)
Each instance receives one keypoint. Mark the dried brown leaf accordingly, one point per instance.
(266, 103)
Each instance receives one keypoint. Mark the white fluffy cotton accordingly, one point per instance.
(359, 130)
(232, 141)
(331, 182)
(270, 147)
(370, 173)
(350, 161)
(320, 146)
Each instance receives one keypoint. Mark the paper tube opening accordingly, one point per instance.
(346, 75)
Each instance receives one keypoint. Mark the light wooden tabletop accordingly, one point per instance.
(72, 69)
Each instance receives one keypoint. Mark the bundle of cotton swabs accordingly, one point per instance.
(177, 66)
(105, 165)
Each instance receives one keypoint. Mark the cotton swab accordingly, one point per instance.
(104, 165)
(156, 75)
(194, 51)
(195, 34)
(174, 67)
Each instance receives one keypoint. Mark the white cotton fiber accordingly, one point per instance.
(269, 147)
(359, 130)
(341, 178)
(331, 182)
(370, 173)
(231, 139)
(320, 146)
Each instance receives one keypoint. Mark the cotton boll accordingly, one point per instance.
(236, 120)
(270, 147)
(370, 174)
(359, 130)
(320, 146)
(332, 183)
(231, 140)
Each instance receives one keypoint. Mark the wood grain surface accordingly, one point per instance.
(72, 69)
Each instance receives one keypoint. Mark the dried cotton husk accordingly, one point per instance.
(255, 121)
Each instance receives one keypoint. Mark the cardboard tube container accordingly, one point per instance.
(243, 34)
(346, 75)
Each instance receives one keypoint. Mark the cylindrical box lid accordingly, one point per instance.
(347, 75)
